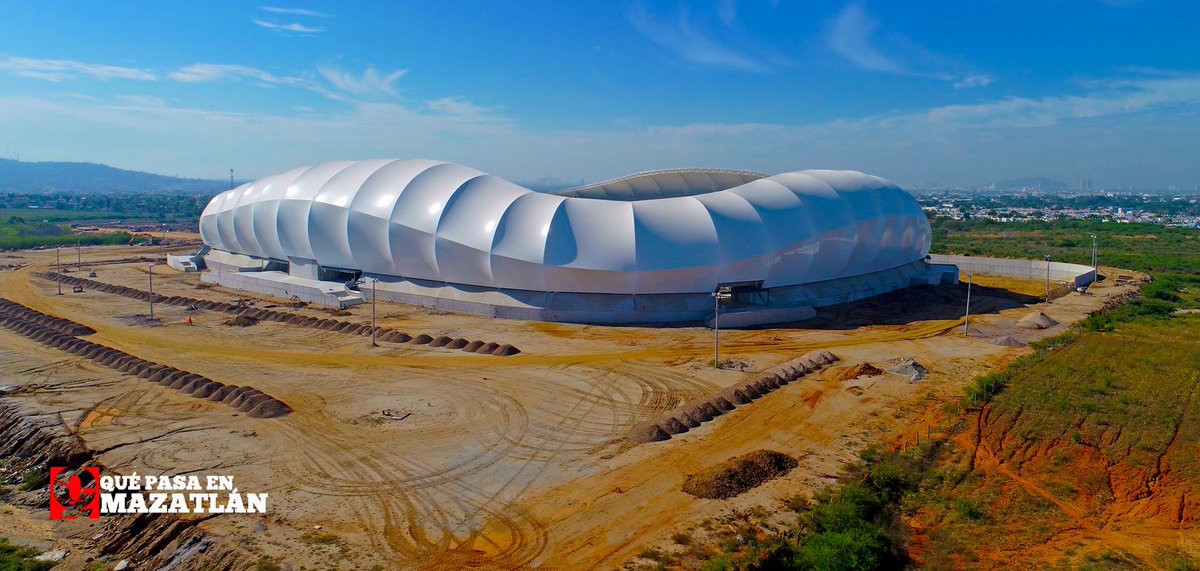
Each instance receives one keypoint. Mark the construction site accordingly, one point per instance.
(437, 440)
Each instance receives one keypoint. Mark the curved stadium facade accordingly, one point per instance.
(649, 247)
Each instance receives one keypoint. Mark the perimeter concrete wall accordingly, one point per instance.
(1076, 274)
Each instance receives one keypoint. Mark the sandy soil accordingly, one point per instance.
(500, 462)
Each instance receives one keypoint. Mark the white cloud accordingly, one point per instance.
(371, 83)
(293, 11)
(1132, 128)
(974, 81)
(293, 28)
(850, 36)
(213, 72)
(688, 40)
(1111, 97)
(58, 70)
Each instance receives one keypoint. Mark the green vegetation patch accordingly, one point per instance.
(15, 557)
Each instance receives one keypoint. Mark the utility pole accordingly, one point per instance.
(58, 268)
(967, 318)
(151, 274)
(722, 293)
(1047, 278)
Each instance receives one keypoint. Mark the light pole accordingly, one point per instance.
(78, 255)
(1047, 278)
(722, 293)
(58, 268)
(967, 318)
(373, 282)
(150, 269)
(1094, 253)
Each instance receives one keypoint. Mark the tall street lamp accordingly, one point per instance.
(150, 269)
(967, 317)
(1047, 278)
(1094, 253)
(722, 293)
(373, 282)
(58, 268)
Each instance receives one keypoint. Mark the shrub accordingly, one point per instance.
(34, 479)
(851, 550)
(20, 558)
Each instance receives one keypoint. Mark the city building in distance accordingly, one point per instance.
(646, 248)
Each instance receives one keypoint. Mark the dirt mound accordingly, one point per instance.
(1036, 320)
(472, 346)
(647, 432)
(421, 339)
(909, 368)
(440, 341)
(270, 408)
(687, 419)
(458, 343)
(859, 370)
(1007, 341)
(222, 392)
(489, 348)
(506, 350)
(737, 475)
(696, 412)
(735, 395)
(672, 425)
(241, 321)
(721, 403)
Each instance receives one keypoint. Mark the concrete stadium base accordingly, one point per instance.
(761, 307)
(279, 284)
(783, 304)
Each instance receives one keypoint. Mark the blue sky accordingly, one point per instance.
(953, 91)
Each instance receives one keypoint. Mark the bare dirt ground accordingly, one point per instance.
(498, 461)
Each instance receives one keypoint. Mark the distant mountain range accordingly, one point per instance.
(18, 176)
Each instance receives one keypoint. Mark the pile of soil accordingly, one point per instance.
(1007, 341)
(1036, 320)
(737, 475)
(241, 321)
(505, 350)
(859, 370)
(647, 432)
(909, 368)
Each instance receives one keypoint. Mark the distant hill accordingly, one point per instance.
(18, 176)
(1033, 182)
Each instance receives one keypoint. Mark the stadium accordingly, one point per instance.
(647, 248)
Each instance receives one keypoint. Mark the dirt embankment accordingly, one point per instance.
(1087, 456)
(148, 541)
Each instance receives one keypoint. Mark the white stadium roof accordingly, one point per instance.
(677, 231)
